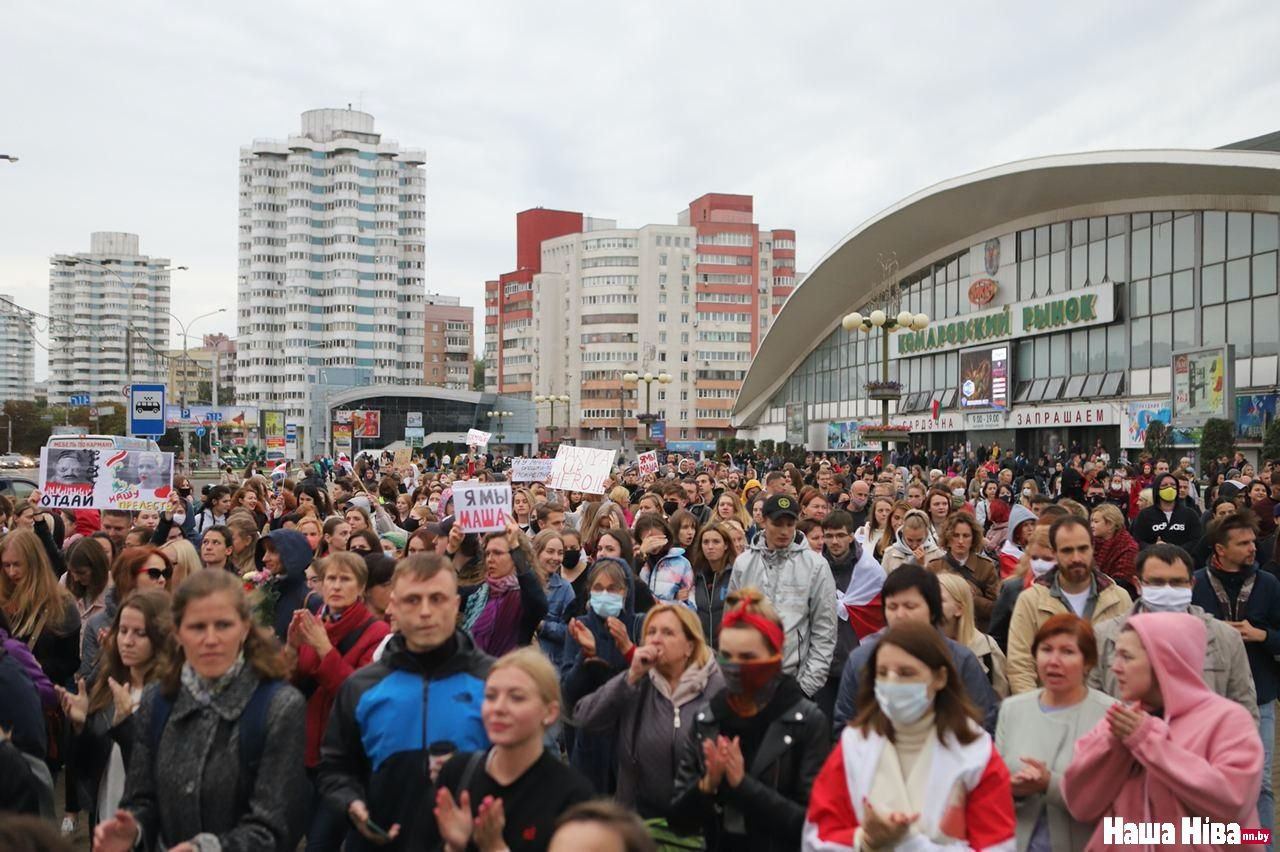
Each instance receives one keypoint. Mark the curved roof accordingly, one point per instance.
(955, 213)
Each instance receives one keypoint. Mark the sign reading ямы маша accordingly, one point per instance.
(1076, 309)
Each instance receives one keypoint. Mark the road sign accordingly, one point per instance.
(105, 410)
(214, 417)
(80, 399)
(199, 431)
(146, 410)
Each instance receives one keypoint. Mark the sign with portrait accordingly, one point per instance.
(366, 423)
(129, 480)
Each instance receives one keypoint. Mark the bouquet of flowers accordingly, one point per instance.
(263, 594)
(879, 427)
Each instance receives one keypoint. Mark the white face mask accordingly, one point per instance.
(903, 703)
(959, 492)
(1026, 492)
(1040, 567)
(1166, 598)
(179, 518)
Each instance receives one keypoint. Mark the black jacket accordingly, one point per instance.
(533, 598)
(1182, 527)
(709, 591)
(766, 811)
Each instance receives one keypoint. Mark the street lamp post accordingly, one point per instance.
(648, 379)
(186, 377)
(10, 157)
(499, 415)
(888, 323)
(553, 399)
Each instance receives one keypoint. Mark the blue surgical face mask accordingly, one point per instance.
(606, 604)
(903, 703)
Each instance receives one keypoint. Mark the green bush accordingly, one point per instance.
(1219, 440)
(1271, 441)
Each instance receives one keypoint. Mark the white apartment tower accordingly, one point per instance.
(332, 259)
(18, 375)
(110, 319)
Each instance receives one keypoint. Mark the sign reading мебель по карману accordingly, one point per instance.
(1077, 309)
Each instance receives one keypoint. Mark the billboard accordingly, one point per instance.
(232, 416)
(273, 429)
(1139, 414)
(341, 435)
(1202, 385)
(1254, 412)
(366, 424)
(797, 428)
(985, 378)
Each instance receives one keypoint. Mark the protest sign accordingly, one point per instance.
(581, 469)
(481, 506)
(476, 438)
(648, 463)
(531, 470)
(403, 456)
(130, 480)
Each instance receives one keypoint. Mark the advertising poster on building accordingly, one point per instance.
(797, 427)
(341, 436)
(581, 469)
(841, 435)
(1253, 412)
(413, 420)
(984, 378)
(531, 470)
(1201, 385)
(129, 480)
(366, 424)
(1139, 415)
(481, 506)
(273, 429)
(229, 416)
(342, 415)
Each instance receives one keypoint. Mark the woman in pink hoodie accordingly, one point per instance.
(1171, 748)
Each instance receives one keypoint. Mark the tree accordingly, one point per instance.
(1157, 440)
(1219, 440)
(477, 374)
(1271, 441)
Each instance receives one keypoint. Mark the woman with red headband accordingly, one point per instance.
(748, 761)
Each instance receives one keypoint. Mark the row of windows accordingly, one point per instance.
(599, 243)
(610, 299)
(725, 259)
(611, 280)
(726, 298)
(718, 316)
(726, 238)
(724, 278)
(611, 260)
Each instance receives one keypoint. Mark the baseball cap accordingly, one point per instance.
(779, 505)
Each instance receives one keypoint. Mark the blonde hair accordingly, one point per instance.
(37, 601)
(309, 520)
(689, 623)
(535, 664)
(1110, 513)
(186, 561)
(958, 588)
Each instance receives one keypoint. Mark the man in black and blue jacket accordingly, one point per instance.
(425, 690)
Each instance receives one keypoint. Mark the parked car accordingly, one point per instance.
(16, 487)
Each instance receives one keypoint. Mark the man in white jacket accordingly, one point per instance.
(798, 583)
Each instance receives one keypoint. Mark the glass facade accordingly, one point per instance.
(1183, 279)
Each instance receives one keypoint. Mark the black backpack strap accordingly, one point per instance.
(161, 707)
(253, 728)
(469, 771)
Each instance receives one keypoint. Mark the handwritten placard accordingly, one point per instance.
(531, 470)
(476, 438)
(648, 463)
(481, 506)
(581, 469)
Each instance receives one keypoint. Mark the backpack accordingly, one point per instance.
(253, 727)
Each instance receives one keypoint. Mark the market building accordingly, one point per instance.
(1057, 291)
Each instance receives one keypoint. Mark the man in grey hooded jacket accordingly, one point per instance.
(798, 583)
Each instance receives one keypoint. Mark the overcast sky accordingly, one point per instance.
(130, 116)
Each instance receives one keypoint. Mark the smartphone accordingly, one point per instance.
(376, 830)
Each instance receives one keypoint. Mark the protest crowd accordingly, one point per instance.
(918, 651)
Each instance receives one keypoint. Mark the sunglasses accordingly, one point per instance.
(157, 573)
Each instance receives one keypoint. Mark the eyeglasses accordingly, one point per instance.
(157, 573)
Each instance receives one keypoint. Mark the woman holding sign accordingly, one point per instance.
(502, 612)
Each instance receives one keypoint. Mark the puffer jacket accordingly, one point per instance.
(798, 582)
(648, 719)
(670, 577)
(898, 554)
(1042, 600)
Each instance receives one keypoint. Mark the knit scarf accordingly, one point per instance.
(494, 619)
(204, 690)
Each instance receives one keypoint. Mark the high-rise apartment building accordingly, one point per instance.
(691, 300)
(110, 318)
(17, 352)
(448, 342)
(332, 261)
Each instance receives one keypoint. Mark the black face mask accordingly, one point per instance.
(670, 507)
(571, 557)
